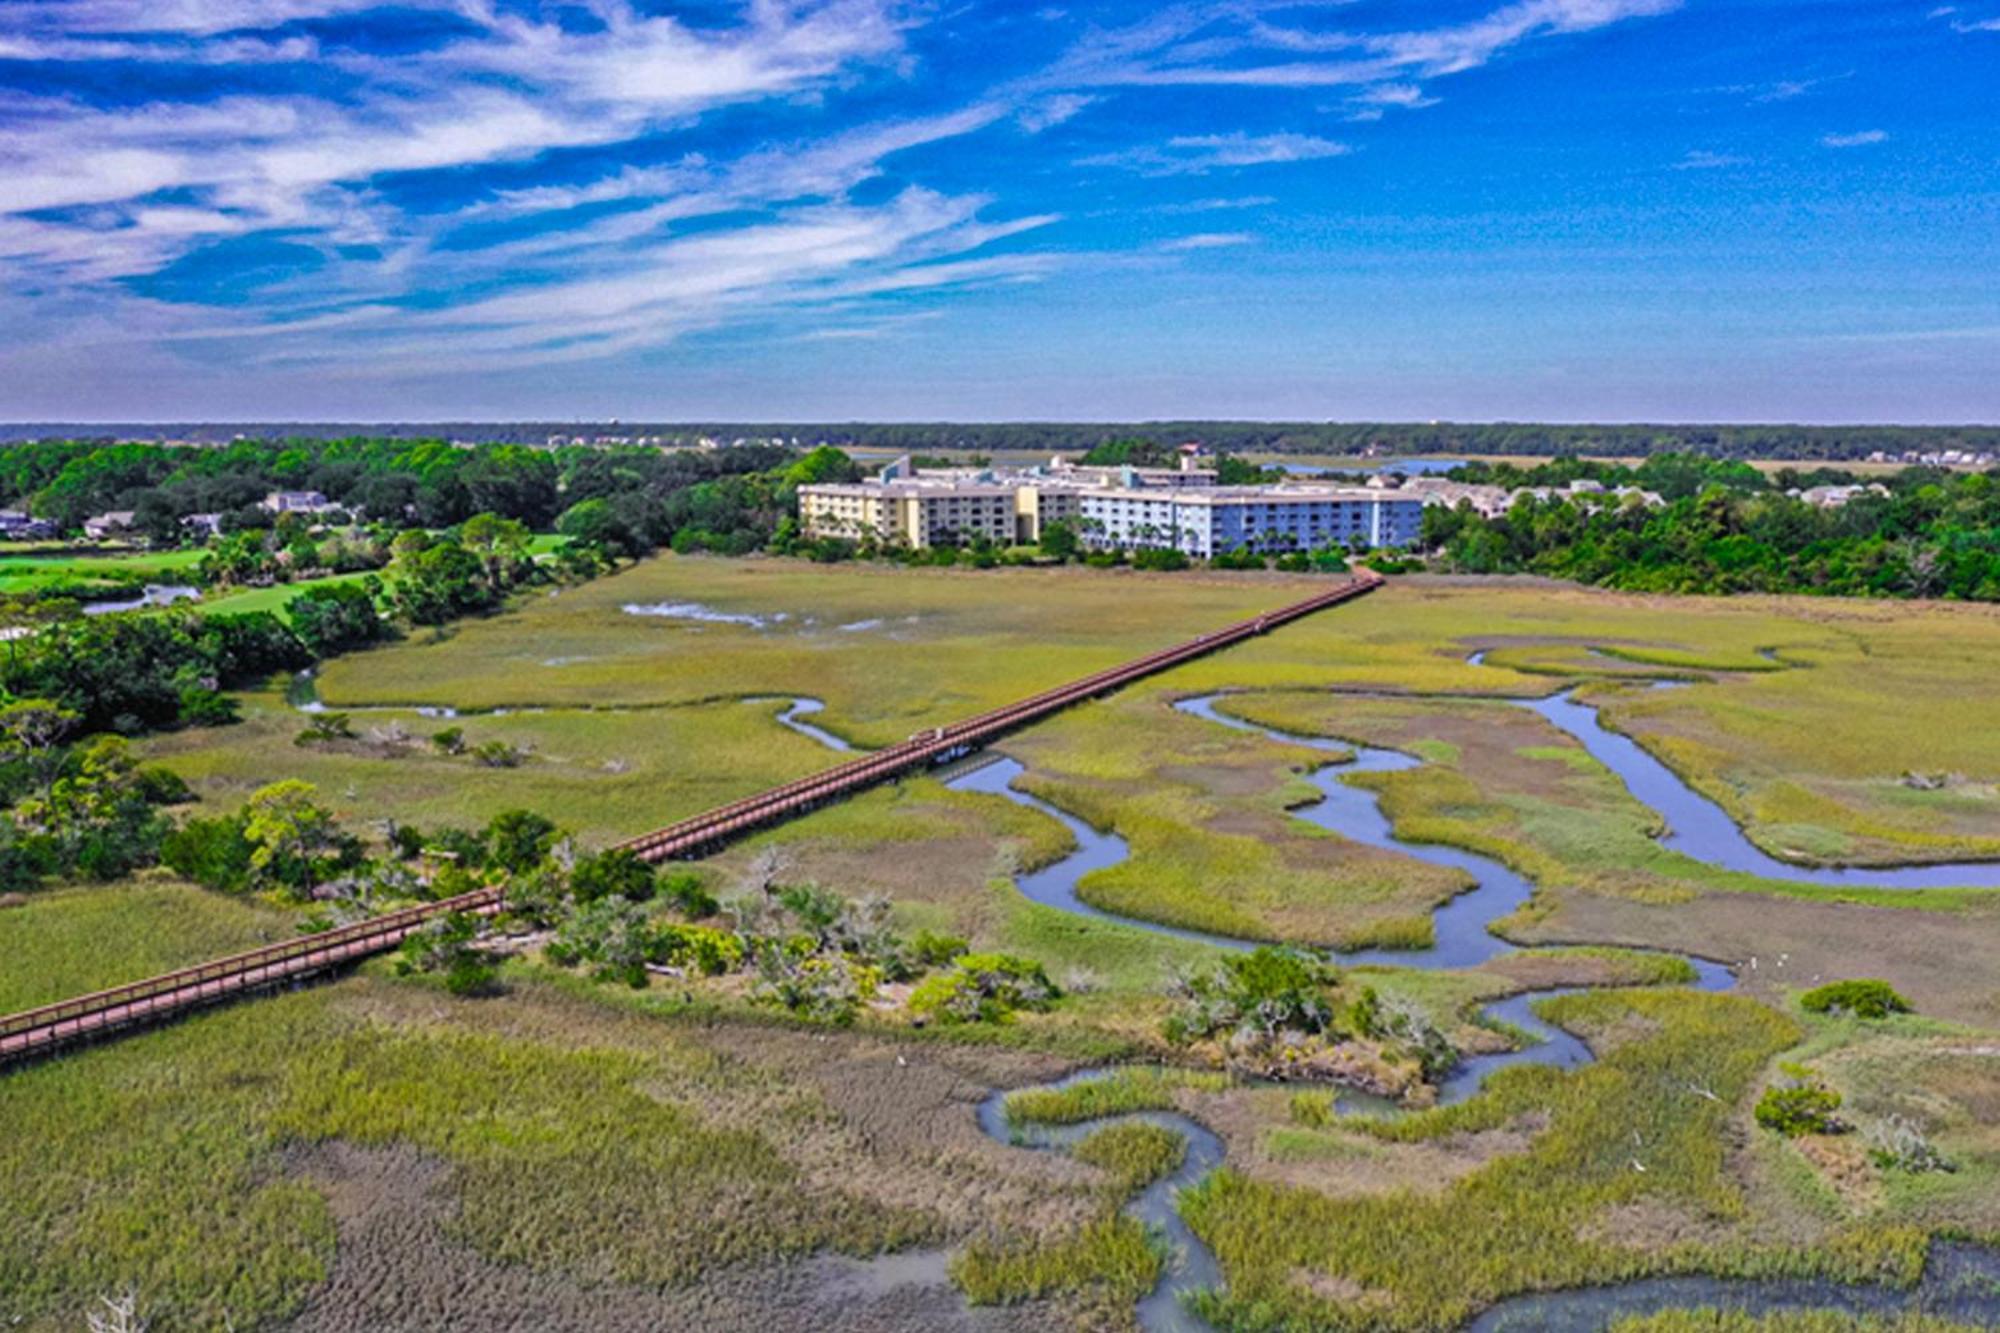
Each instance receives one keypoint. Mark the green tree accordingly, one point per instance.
(1059, 540)
(294, 842)
(617, 873)
(333, 618)
(32, 732)
(518, 840)
(501, 546)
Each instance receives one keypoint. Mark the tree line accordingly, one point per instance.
(1727, 528)
(1781, 441)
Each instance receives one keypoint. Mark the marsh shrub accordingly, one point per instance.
(930, 949)
(618, 873)
(1898, 1143)
(702, 949)
(449, 945)
(211, 852)
(1800, 1106)
(1862, 998)
(1269, 990)
(984, 988)
(519, 840)
(827, 989)
(612, 934)
(499, 754)
(684, 891)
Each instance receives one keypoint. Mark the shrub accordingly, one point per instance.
(451, 740)
(324, 729)
(811, 986)
(929, 949)
(518, 840)
(1802, 1105)
(686, 894)
(984, 988)
(611, 933)
(213, 853)
(1862, 998)
(449, 945)
(617, 873)
(1900, 1144)
(1158, 558)
(499, 754)
(163, 786)
(702, 949)
(1267, 990)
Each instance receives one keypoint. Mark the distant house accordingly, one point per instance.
(108, 524)
(297, 502)
(19, 526)
(203, 525)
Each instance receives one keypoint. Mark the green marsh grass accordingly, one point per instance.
(61, 942)
(1134, 1153)
(1525, 1221)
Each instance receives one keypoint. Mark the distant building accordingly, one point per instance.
(17, 525)
(108, 524)
(296, 502)
(1268, 520)
(203, 525)
(1120, 508)
(1836, 497)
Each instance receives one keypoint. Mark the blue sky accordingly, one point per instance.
(815, 209)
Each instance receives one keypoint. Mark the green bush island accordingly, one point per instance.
(1800, 1105)
(1862, 998)
(983, 988)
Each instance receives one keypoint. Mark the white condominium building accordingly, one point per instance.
(1268, 520)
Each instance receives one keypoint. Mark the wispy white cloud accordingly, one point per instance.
(1048, 112)
(1218, 204)
(1701, 159)
(1858, 139)
(1207, 240)
(1196, 154)
(1229, 45)
(97, 197)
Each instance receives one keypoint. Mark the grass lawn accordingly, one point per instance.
(273, 598)
(25, 571)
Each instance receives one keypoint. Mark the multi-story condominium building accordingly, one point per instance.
(911, 513)
(1111, 508)
(1269, 520)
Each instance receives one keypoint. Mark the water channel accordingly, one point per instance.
(1960, 1281)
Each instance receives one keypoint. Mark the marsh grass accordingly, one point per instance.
(67, 941)
(602, 775)
(1134, 1153)
(1136, 1088)
(572, 1141)
(1114, 1259)
(1713, 1320)
(1674, 1067)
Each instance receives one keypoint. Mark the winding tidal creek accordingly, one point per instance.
(1960, 1281)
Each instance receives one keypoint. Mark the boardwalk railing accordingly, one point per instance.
(37, 1030)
